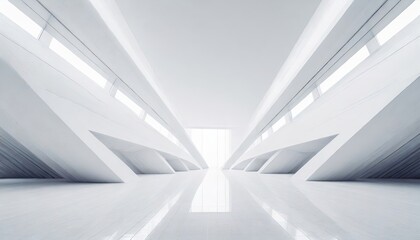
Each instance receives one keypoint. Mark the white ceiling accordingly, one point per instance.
(214, 60)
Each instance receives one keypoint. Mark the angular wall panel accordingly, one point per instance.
(402, 163)
(285, 161)
(255, 164)
(26, 117)
(149, 161)
(242, 165)
(291, 159)
(140, 159)
(392, 128)
(16, 161)
(51, 108)
(177, 164)
(190, 165)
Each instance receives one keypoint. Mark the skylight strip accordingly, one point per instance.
(400, 22)
(257, 141)
(78, 63)
(156, 125)
(319, 26)
(342, 71)
(124, 99)
(280, 123)
(173, 139)
(18, 17)
(265, 135)
(302, 105)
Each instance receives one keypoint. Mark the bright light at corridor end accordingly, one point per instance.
(213, 195)
(213, 144)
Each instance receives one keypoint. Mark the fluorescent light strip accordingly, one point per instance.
(257, 141)
(328, 13)
(15, 15)
(400, 22)
(302, 105)
(280, 123)
(124, 99)
(342, 71)
(78, 63)
(156, 125)
(162, 130)
(265, 135)
(172, 138)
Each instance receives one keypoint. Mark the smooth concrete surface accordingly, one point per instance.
(242, 165)
(209, 205)
(36, 127)
(285, 161)
(149, 161)
(260, 56)
(101, 39)
(256, 164)
(402, 163)
(373, 110)
(190, 166)
(331, 33)
(389, 76)
(369, 145)
(40, 96)
(16, 161)
(291, 159)
(177, 164)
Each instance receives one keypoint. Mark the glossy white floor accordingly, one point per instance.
(228, 205)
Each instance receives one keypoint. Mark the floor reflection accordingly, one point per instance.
(288, 207)
(337, 210)
(282, 220)
(213, 195)
(182, 206)
(148, 228)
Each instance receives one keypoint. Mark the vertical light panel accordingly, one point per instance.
(210, 147)
(213, 144)
(213, 195)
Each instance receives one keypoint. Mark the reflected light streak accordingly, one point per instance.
(213, 195)
(281, 219)
(148, 228)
